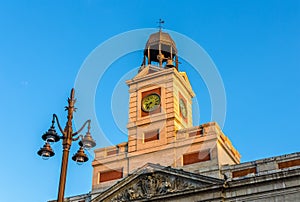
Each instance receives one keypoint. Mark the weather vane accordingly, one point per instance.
(160, 24)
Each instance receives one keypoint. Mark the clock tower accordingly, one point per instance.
(160, 128)
(160, 100)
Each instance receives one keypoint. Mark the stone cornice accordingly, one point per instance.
(264, 177)
(162, 73)
(157, 182)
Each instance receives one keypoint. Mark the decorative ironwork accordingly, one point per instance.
(67, 138)
(160, 24)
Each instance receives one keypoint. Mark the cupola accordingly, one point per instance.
(160, 50)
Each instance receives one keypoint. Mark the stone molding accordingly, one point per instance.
(155, 181)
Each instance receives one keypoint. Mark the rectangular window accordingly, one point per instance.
(196, 157)
(151, 135)
(196, 133)
(244, 172)
(111, 175)
(112, 152)
(288, 164)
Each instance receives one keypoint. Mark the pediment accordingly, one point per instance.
(155, 181)
(147, 70)
(186, 79)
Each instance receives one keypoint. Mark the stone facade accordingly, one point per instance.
(207, 137)
(166, 158)
(272, 179)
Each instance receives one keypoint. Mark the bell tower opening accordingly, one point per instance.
(161, 51)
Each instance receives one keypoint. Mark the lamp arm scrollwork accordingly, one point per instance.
(77, 138)
(58, 124)
(82, 127)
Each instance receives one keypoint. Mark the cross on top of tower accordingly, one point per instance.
(160, 24)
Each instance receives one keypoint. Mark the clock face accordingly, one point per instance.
(150, 102)
(182, 108)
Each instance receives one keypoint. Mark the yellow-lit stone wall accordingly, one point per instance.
(174, 140)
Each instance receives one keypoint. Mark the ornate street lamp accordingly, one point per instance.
(68, 136)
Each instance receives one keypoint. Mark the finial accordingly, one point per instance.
(160, 24)
(72, 95)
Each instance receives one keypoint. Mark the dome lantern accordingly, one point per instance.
(161, 48)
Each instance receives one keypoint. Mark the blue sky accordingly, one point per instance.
(254, 44)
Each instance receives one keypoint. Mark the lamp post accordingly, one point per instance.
(68, 136)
